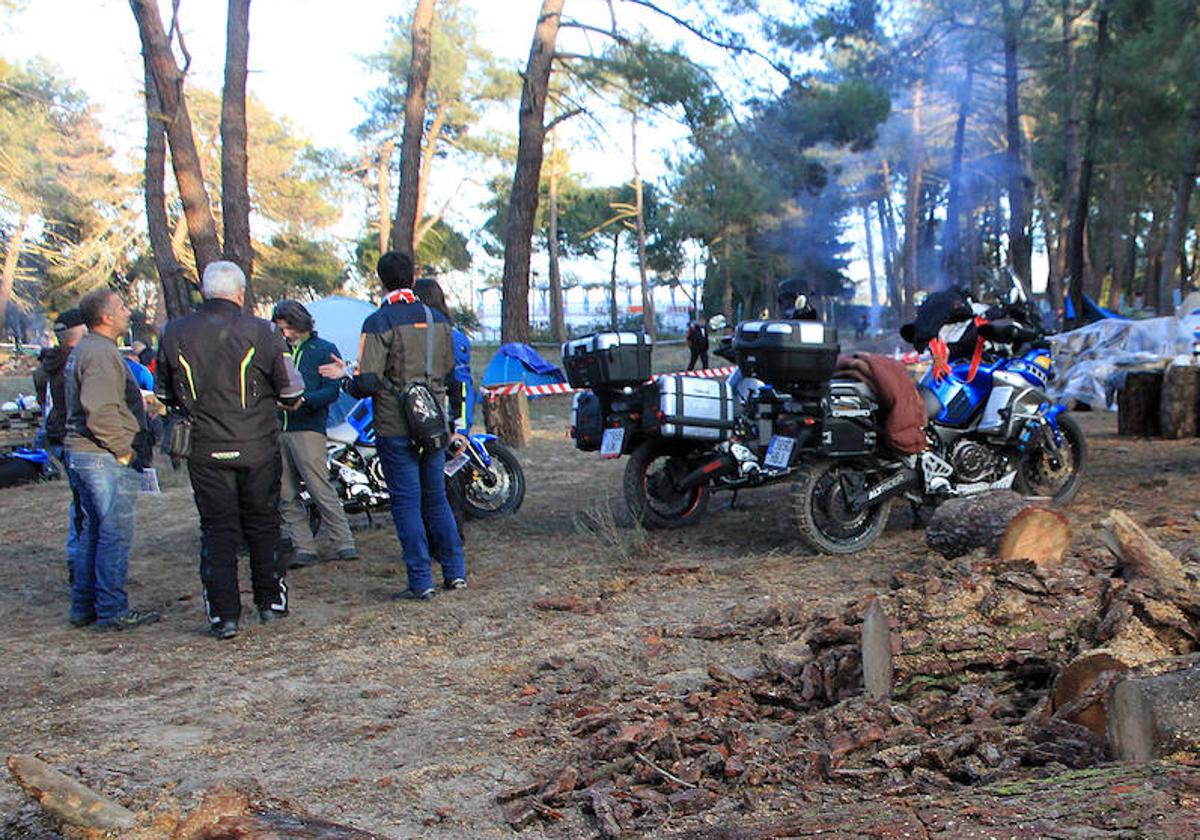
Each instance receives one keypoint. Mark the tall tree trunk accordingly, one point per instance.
(1076, 255)
(235, 184)
(1020, 244)
(523, 201)
(952, 238)
(558, 327)
(912, 203)
(432, 140)
(189, 176)
(727, 280)
(383, 193)
(612, 279)
(1179, 215)
(414, 129)
(887, 236)
(866, 214)
(1156, 242)
(640, 215)
(12, 258)
(176, 296)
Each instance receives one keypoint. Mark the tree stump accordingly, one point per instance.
(1156, 716)
(1180, 398)
(1003, 523)
(507, 417)
(1139, 404)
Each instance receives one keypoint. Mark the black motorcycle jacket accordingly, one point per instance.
(227, 370)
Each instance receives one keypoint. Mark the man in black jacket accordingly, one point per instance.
(229, 371)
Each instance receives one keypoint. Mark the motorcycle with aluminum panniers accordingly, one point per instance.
(790, 419)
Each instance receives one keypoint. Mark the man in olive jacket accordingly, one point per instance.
(228, 371)
(108, 446)
(394, 345)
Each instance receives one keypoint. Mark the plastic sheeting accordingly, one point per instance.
(1091, 362)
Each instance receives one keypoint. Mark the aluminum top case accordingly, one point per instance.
(608, 360)
(787, 354)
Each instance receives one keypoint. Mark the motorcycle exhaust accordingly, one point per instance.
(896, 484)
(724, 464)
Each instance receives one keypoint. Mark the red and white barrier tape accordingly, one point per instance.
(564, 388)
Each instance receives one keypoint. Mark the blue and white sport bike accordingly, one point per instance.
(494, 482)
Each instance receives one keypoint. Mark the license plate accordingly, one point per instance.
(612, 443)
(779, 452)
(455, 464)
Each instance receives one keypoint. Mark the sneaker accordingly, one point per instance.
(346, 555)
(223, 629)
(410, 595)
(81, 620)
(302, 560)
(131, 619)
(268, 615)
(457, 583)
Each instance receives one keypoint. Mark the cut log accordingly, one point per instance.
(1139, 404)
(1180, 399)
(877, 653)
(1074, 699)
(66, 799)
(1139, 556)
(1037, 534)
(962, 525)
(507, 417)
(1153, 717)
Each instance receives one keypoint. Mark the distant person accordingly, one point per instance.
(394, 344)
(50, 384)
(697, 342)
(107, 449)
(228, 371)
(860, 331)
(302, 444)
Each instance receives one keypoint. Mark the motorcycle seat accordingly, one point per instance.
(852, 387)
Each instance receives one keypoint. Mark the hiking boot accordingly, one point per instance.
(304, 559)
(131, 619)
(457, 583)
(346, 555)
(223, 629)
(410, 595)
(81, 620)
(266, 616)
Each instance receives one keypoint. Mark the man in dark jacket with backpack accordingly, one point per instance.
(229, 371)
(407, 341)
(697, 342)
(302, 443)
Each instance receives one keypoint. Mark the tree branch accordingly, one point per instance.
(563, 118)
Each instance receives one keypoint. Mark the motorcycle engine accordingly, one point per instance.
(974, 461)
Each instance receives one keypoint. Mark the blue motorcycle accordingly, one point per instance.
(493, 480)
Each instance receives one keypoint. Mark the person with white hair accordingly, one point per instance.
(228, 372)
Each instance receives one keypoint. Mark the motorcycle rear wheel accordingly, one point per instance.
(494, 495)
(1036, 477)
(651, 494)
(824, 520)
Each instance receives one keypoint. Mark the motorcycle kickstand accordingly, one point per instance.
(733, 500)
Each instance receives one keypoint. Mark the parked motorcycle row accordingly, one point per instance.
(785, 416)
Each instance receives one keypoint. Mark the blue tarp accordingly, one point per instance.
(1092, 311)
(520, 363)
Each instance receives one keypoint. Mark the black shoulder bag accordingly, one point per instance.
(427, 426)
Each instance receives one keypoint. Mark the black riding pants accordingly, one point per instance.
(236, 504)
(698, 354)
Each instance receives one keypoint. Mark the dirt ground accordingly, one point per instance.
(407, 719)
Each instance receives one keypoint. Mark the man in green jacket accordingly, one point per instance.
(302, 443)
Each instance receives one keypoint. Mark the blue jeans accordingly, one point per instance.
(108, 496)
(424, 521)
(75, 514)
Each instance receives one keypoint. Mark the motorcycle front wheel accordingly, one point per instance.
(823, 515)
(1037, 476)
(500, 491)
(652, 492)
